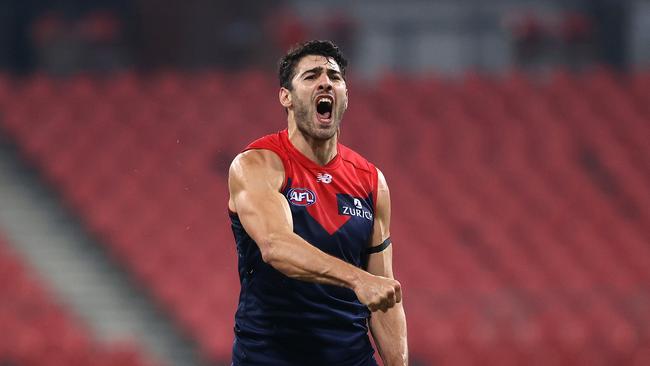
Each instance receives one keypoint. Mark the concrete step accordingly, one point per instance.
(78, 270)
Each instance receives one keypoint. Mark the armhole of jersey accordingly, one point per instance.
(375, 185)
(285, 164)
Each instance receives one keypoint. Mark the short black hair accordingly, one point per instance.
(288, 62)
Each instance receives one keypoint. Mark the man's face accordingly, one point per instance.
(319, 96)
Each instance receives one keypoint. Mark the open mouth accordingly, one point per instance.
(324, 105)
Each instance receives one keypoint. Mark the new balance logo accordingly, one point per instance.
(324, 177)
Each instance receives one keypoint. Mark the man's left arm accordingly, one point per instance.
(388, 328)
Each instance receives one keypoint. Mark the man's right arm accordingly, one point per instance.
(254, 181)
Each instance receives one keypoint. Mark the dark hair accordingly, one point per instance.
(287, 64)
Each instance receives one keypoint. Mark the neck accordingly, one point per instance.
(320, 152)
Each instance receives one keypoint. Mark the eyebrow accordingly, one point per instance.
(319, 69)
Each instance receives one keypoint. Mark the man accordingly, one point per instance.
(311, 221)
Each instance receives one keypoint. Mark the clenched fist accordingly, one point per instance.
(378, 293)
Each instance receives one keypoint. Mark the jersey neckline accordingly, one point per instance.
(304, 160)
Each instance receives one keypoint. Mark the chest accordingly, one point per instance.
(330, 203)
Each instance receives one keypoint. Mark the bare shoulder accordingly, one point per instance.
(381, 227)
(255, 160)
(383, 198)
(256, 169)
(382, 185)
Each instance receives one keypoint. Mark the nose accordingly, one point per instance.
(325, 83)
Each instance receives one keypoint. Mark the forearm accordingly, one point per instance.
(296, 258)
(389, 332)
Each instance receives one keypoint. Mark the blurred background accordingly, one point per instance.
(515, 137)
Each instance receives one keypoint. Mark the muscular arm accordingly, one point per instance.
(255, 178)
(388, 328)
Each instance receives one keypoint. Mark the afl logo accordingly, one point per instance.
(301, 197)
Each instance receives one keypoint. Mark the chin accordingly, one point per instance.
(323, 134)
(320, 133)
(326, 132)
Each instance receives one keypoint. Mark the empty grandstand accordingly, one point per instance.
(520, 206)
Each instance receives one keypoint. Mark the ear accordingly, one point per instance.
(285, 97)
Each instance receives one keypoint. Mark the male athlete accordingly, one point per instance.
(311, 221)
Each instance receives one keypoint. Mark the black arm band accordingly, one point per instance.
(380, 247)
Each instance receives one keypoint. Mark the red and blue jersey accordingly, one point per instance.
(283, 321)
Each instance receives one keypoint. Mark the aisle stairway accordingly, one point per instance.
(77, 269)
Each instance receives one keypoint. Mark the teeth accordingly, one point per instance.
(325, 99)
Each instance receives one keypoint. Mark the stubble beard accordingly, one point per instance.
(304, 118)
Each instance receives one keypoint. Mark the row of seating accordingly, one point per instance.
(38, 330)
(520, 207)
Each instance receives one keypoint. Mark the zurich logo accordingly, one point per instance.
(354, 206)
(301, 197)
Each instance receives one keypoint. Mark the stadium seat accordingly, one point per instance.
(520, 207)
(38, 330)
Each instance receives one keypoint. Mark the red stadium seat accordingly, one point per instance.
(36, 330)
(509, 197)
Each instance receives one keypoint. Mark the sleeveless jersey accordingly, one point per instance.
(283, 321)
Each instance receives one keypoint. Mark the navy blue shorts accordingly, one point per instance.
(241, 357)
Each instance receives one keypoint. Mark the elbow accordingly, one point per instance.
(269, 248)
